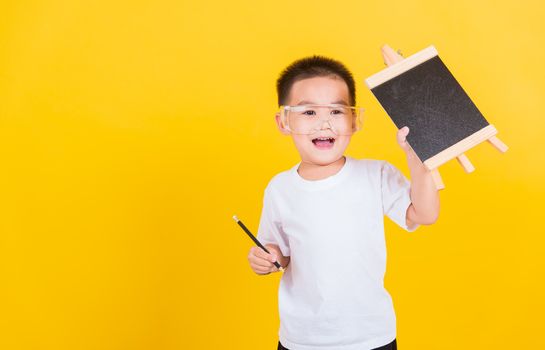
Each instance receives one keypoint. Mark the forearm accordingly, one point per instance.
(424, 194)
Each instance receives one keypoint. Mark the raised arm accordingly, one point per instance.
(424, 209)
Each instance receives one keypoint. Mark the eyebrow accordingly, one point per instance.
(338, 102)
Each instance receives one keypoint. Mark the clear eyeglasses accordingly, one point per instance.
(308, 119)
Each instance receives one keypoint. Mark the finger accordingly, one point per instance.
(259, 269)
(402, 138)
(402, 134)
(264, 255)
(262, 258)
(258, 252)
(274, 252)
(261, 262)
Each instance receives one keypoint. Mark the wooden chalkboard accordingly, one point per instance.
(421, 93)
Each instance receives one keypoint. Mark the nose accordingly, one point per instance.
(325, 124)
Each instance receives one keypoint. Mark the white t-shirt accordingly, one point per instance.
(332, 295)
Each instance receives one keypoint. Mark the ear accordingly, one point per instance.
(281, 125)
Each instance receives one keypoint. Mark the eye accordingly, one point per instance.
(338, 112)
(309, 112)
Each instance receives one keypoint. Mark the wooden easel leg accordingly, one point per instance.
(496, 142)
(390, 56)
(437, 179)
(465, 163)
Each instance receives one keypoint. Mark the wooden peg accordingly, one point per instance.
(437, 179)
(498, 144)
(465, 163)
(390, 56)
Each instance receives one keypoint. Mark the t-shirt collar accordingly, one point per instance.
(322, 183)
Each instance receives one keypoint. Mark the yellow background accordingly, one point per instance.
(131, 132)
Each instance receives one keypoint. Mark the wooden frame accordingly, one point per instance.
(397, 65)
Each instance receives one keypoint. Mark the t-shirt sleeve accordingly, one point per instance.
(270, 228)
(396, 197)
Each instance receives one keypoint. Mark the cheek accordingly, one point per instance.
(343, 141)
(301, 143)
(300, 140)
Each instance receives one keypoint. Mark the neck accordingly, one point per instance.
(311, 171)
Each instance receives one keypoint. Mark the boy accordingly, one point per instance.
(323, 219)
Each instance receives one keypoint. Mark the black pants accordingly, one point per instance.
(391, 346)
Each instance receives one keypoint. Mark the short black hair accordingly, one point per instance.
(310, 67)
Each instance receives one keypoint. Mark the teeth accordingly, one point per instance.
(330, 139)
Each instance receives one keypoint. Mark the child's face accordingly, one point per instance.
(318, 90)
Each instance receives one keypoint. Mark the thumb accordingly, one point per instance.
(402, 138)
(273, 249)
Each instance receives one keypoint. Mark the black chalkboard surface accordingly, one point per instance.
(421, 93)
(429, 100)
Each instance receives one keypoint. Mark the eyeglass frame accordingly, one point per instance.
(285, 124)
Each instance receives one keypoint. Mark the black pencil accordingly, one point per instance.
(255, 240)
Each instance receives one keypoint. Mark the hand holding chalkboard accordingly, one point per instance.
(421, 93)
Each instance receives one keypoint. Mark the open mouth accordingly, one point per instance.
(323, 142)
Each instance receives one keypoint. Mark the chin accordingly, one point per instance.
(324, 159)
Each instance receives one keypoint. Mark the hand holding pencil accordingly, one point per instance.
(262, 262)
(264, 259)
